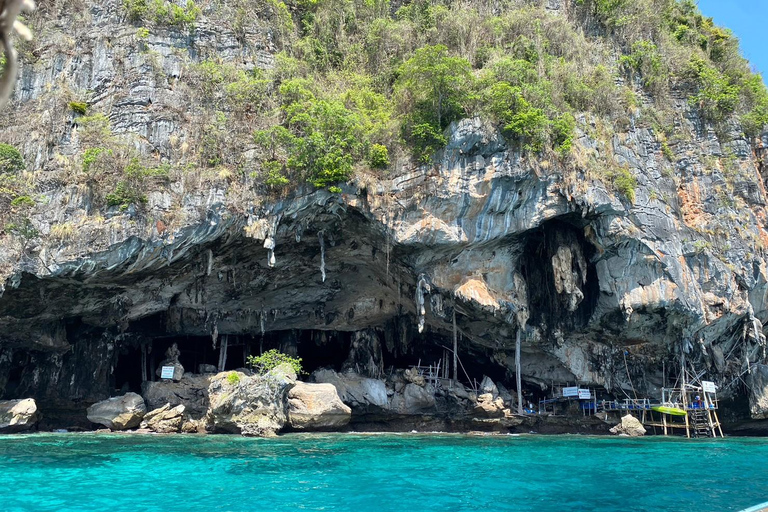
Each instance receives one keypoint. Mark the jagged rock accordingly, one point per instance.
(412, 375)
(458, 390)
(118, 413)
(191, 392)
(414, 399)
(251, 405)
(206, 368)
(355, 390)
(365, 356)
(193, 427)
(629, 426)
(316, 407)
(489, 407)
(509, 397)
(757, 382)
(601, 268)
(165, 419)
(487, 386)
(18, 415)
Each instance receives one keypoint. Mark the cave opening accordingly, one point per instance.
(558, 266)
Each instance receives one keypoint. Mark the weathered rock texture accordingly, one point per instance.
(629, 426)
(164, 420)
(118, 413)
(251, 405)
(610, 289)
(316, 407)
(18, 415)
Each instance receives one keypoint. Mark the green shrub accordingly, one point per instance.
(94, 129)
(162, 12)
(78, 107)
(22, 202)
(233, 378)
(271, 359)
(273, 174)
(168, 13)
(136, 9)
(378, 156)
(563, 129)
(435, 83)
(23, 228)
(624, 182)
(11, 160)
(646, 59)
(91, 155)
(124, 195)
(717, 97)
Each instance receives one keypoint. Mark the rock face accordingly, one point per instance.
(758, 396)
(362, 393)
(118, 413)
(485, 230)
(191, 392)
(629, 426)
(316, 407)
(250, 405)
(164, 420)
(18, 415)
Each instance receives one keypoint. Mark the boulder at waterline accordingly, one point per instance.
(118, 413)
(316, 407)
(165, 419)
(191, 392)
(249, 404)
(629, 426)
(18, 415)
(355, 390)
(489, 407)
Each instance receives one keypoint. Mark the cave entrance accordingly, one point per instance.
(127, 373)
(557, 264)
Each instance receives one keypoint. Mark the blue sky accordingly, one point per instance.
(748, 19)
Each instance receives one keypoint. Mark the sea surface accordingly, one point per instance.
(387, 472)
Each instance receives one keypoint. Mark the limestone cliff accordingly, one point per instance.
(607, 291)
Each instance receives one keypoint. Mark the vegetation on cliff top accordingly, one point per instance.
(358, 81)
(361, 85)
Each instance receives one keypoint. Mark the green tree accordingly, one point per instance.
(271, 359)
(435, 79)
(10, 159)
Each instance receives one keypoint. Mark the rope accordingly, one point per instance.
(626, 366)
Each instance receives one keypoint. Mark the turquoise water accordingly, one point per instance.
(342, 472)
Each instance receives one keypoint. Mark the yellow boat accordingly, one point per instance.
(673, 411)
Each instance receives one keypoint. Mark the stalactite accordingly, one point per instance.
(422, 288)
(322, 254)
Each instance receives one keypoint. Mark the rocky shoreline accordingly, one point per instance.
(245, 403)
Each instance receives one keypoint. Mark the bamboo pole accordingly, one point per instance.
(709, 414)
(518, 375)
(685, 394)
(455, 349)
(143, 363)
(719, 426)
(223, 352)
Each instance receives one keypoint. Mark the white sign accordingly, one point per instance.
(167, 372)
(585, 394)
(708, 386)
(574, 391)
